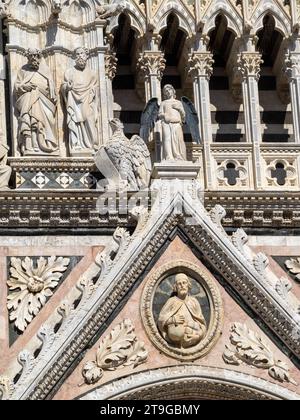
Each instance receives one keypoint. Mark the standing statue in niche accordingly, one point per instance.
(36, 102)
(80, 94)
(173, 114)
(181, 321)
(5, 170)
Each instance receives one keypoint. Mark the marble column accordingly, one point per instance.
(103, 99)
(200, 68)
(3, 135)
(151, 66)
(292, 69)
(249, 66)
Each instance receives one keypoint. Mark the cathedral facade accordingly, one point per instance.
(150, 199)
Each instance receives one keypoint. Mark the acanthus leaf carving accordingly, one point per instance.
(239, 240)
(118, 349)
(201, 64)
(248, 64)
(217, 214)
(151, 63)
(30, 286)
(260, 263)
(249, 348)
(6, 388)
(294, 267)
(283, 287)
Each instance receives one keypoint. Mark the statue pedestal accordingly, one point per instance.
(182, 170)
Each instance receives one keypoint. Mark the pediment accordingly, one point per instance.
(178, 221)
(83, 382)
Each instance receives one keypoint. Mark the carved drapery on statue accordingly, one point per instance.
(126, 164)
(36, 103)
(181, 321)
(172, 114)
(5, 170)
(181, 309)
(80, 93)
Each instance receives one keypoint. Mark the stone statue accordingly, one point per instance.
(36, 102)
(173, 114)
(126, 164)
(80, 94)
(5, 170)
(181, 321)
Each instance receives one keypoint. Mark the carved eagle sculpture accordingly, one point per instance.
(150, 117)
(124, 162)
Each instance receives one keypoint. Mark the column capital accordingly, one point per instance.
(111, 62)
(200, 64)
(291, 65)
(248, 64)
(151, 63)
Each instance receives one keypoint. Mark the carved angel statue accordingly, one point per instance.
(106, 11)
(125, 163)
(173, 114)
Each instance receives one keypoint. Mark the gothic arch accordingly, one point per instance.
(186, 20)
(190, 382)
(282, 22)
(234, 20)
(136, 16)
(78, 12)
(31, 12)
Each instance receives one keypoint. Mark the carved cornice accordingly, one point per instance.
(77, 208)
(248, 64)
(200, 64)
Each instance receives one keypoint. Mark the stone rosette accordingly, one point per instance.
(214, 328)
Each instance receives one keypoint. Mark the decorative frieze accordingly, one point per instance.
(249, 348)
(111, 62)
(30, 284)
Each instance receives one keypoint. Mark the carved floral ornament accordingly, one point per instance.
(163, 315)
(118, 349)
(30, 285)
(293, 265)
(249, 348)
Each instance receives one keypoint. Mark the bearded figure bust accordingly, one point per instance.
(181, 321)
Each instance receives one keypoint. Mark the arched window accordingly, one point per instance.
(276, 116)
(227, 114)
(128, 106)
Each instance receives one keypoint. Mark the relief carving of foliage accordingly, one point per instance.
(249, 348)
(118, 349)
(30, 285)
(294, 266)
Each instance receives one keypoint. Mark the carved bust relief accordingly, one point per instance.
(182, 311)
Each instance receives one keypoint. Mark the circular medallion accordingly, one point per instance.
(181, 309)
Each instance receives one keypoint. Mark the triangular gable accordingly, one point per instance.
(177, 206)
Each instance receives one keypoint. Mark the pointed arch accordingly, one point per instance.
(190, 382)
(136, 15)
(223, 7)
(186, 19)
(32, 13)
(267, 7)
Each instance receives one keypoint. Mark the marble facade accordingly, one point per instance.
(149, 199)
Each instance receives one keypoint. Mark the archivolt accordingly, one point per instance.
(190, 382)
(186, 20)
